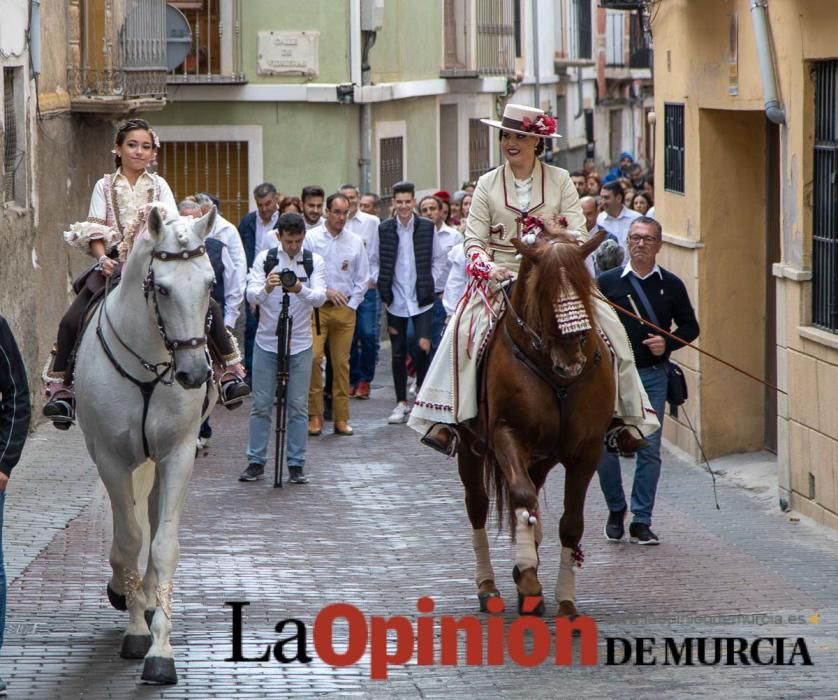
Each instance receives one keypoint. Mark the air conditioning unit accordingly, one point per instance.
(372, 15)
(621, 4)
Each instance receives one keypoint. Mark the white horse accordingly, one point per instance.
(141, 375)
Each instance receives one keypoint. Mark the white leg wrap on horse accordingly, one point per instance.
(525, 555)
(133, 586)
(483, 562)
(566, 582)
(163, 593)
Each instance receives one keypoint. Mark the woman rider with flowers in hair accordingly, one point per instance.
(117, 214)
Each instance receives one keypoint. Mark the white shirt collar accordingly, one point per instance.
(628, 268)
(409, 225)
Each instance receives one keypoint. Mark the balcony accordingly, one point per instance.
(628, 53)
(481, 38)
(213, 29)
(640, 49)
(116, 61)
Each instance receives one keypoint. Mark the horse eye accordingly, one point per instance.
(162, 290)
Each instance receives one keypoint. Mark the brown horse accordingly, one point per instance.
(548, 397)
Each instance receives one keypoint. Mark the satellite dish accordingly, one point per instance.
(178, 38)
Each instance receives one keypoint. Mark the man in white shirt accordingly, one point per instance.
(447, 237)
(411, 261)
(225, 232)
(312, 198)
(265, 290)
(364, 353)
(347, 278)
(615, 218)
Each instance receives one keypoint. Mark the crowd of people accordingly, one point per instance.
(358, 258)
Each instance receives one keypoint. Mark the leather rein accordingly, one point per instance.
(160, 370)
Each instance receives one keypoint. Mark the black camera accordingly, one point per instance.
(288, 278)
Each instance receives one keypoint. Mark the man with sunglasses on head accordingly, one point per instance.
(656, 295)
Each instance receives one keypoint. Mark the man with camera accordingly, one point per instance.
(286, 269)
(656, 295)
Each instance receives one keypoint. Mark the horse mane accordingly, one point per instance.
(559, 271)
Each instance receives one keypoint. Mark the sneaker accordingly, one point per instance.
(253, 472)
(641, 533)
(297, 476)
(399, 414)
(614, 528)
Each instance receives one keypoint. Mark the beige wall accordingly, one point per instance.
(719, 224)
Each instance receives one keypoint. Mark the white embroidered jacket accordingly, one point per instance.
(117, 211)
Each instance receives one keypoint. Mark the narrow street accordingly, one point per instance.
(380, 525)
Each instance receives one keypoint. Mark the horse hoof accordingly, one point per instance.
(531, 605)
(149, 616)
(117, 600)
(135, 646)
(567, 609)
(484, 598)
(159, 670)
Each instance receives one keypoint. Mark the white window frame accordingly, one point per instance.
(389, 130)
(219, 133)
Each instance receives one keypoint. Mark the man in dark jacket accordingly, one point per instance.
(256, 230)
(410, 259)
(14, 426)
(656, 295)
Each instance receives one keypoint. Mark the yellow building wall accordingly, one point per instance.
(716, 232)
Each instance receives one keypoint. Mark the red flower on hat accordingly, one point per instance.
(545, 125)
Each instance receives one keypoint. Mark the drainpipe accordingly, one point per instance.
(35, 36)
(365, 184)
(762, 35)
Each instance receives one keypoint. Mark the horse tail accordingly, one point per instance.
(497, 490)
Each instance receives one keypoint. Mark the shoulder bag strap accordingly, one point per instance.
(647, 306)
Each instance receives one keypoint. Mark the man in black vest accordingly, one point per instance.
(410, 259)
(655, 294)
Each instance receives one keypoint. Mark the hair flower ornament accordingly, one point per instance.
(544, 125)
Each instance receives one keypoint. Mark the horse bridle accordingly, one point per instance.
(170, 367)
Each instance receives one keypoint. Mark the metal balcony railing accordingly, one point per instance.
(640, 50)
(116, 52)
(215, 55)
(480, 37)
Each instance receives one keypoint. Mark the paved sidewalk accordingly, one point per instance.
(380, 525)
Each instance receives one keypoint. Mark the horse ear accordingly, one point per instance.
(204, 226)
(155, 223)
(592, 243)
(525, 249)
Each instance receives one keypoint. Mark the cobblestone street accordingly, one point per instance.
(380, 525)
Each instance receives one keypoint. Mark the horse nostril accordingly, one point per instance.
(181, 377)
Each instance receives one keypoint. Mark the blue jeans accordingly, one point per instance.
(262, 410)
(364, 352)
(2, 573)
(438, 323)
(251, 325)
(647, 470)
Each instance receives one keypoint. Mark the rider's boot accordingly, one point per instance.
(623, 439)
(233, 388)
(443, 438)
(61, 407)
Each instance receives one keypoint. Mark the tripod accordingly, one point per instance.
(283, 359)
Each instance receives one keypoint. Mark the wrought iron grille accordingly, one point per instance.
(10, 129)
(391, 165)
(218, 168)
(120, 49)
(496, 37)
(584, 45)
(673, 148)
(825, 219)
(478, 149)
(216, 32)
(640, 51)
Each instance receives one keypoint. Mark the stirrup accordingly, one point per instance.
(450, 448)
(612, 440)
(61, 410)
(235, 385)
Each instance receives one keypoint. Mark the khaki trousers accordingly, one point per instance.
(337, 325)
